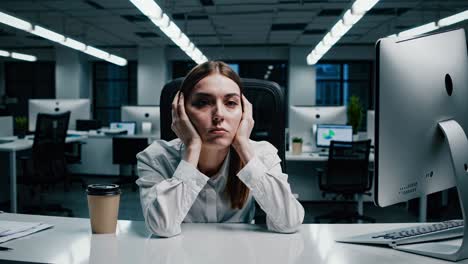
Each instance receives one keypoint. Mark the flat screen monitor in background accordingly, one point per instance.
(129, 126)
(142, 116)
(79, 108)
(421, 106)
(327, 133)
(370, 125)
(6, 126)
(303, 121)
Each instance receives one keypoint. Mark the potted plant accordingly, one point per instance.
(355, 113)
(296, 146)
(21, 126)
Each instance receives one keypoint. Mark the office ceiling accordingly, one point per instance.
(117, 23)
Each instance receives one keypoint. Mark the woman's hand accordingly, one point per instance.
(241, 141)
(184, 129)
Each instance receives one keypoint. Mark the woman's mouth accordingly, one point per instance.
(218, 131)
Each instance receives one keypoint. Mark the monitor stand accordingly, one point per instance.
(458, 144)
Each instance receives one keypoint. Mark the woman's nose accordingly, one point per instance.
(218, 112)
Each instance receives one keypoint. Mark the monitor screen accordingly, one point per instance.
(303, 121)
(146, 118)
(129, 126)
(420, 82)
(327, 133)
(79, 108)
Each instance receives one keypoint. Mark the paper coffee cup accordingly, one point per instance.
(103, 205)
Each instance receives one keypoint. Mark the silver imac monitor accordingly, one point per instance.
(79, 108)
(327, 133)
(421, 122)
(145, 117)
(129, 126)
(370, 125)
(303, 121)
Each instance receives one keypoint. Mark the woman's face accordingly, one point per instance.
(214, 107)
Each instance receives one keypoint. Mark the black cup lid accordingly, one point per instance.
(103, 189)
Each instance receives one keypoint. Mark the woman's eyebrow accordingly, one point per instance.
(229, 95)
(201, 94)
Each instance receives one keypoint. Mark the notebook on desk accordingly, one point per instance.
(11, 229)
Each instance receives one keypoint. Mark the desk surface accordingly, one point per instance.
(71, 241)
(309, 156)
(22, 144)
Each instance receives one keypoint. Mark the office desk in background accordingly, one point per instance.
(11, 149)
(71, 241)
(96, 154)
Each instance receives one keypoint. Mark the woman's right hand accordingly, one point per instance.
(184, 129)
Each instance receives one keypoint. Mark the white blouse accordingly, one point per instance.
(173, 191)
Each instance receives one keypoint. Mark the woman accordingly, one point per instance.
(213, 172)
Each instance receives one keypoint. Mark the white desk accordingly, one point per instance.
(308, 156)
(71, 241)
(12, 148)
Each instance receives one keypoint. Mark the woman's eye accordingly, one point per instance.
(200, 103)
(232, 103)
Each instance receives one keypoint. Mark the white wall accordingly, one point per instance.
(301, 78)
(152, 74)
(71, 74)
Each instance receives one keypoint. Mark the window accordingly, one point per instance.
(336, 82)
(28, 80)
(113, 86)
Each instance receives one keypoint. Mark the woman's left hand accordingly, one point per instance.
(241, 141)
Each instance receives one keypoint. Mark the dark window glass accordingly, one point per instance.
(28, 80)
(113, 86)
(336, 82)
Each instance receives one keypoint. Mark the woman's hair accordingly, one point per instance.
(235, 189)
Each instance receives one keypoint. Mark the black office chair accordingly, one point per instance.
(124, 151)
(347, 174)
(267, 99)
(48, 160)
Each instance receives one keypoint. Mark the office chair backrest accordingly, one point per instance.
(125, 149)
(268, 111)
(348, 167)
(48, 150)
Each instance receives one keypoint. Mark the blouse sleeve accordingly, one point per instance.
(166, 194)
(270, 188)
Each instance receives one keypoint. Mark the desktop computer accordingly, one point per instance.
(303, 121)
(370, 125)
(145, 117)
(79, 108)
(420, 142)
(327, 133)
(129, 126)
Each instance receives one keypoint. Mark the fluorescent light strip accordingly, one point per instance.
(152, 10)
(58, 38)
(433, 25)
(21, 56)
(18, 56)
(350, 18)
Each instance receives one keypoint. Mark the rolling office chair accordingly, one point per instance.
(347, 174)
(267, 99)
(124, 151)
(48, 160)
